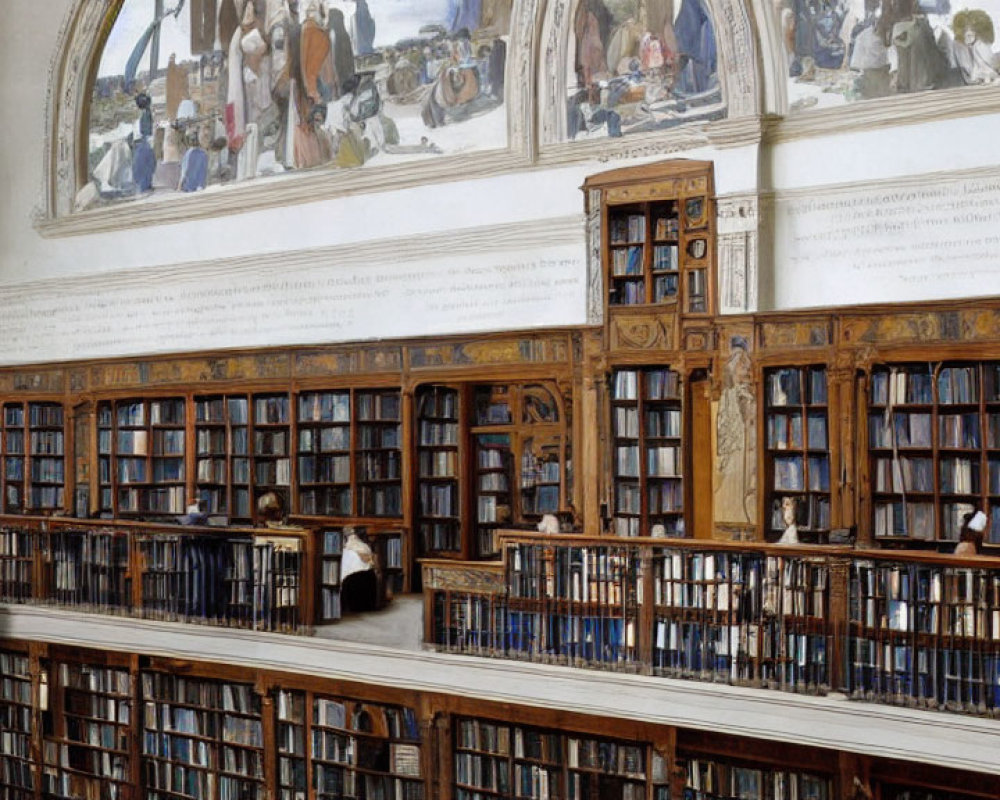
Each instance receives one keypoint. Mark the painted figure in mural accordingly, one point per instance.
(973, 46)
(868, 55)
(143, 159)
(592, 26)
(194, 165)
(920, 63)
(343, 50)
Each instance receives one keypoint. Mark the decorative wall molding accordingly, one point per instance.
(518, 276)
(885, 112)
(738, 231)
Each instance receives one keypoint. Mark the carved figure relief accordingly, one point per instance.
(736, 426)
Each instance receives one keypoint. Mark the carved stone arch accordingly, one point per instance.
(74, 61)
(72, 71)
(739, 71)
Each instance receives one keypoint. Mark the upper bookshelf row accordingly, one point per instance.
(484, 456)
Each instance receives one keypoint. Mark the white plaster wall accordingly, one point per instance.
(800, 169)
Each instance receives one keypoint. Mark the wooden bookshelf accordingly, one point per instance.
(363, 749)
(202, 738)
(718, 778)
(925, 634)
(648, 454)
(440, 461)
(797, 448)
(658, 236)
(33, 457)
(271, 446)
(17, 564)
(520, 455)
(131, 725)
(141, 451)
(324, 453)
(17, 726)
(350, 453)
(87, 742)
(934, 448)
(508, 760)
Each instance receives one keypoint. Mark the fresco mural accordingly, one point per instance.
(194, 94)
(841, 51)
(641, 65)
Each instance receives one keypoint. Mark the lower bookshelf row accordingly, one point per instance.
(121, 727)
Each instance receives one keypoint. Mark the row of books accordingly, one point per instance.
(438, 536)
(900, 429)
(709, 779)
(325, 407)
(379, 465)
(383, 406)
(371, 436)
(329, 439)
(437, 464)
(380, 501)
(796, 386)
(437, 402)
(628, 228)
(162, 501)
(44, 443)
(796, 474)
(658, 384)
(742, 654)
(626, 261)
(901, 672)
(438, 433)
(628, 291)
(784, 431)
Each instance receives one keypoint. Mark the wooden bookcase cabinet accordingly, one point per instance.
(488, 456)
(33, 455)
(657, 237)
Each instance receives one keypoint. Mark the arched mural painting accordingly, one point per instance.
(196, 94)
(640, 65)
(840, 51)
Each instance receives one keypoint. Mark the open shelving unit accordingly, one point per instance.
(648, 456)
(797, 447)
(934, 448)
(87, 731)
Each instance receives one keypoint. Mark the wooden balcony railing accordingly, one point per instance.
(894, 627)
(260, 579)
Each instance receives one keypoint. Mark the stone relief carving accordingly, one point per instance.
(595, 271)
(738, 235)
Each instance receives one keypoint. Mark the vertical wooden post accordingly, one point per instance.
(269, 736)
(408, 472)
(39, 687)
(442, 736)
(646, 607)
(136, 714)
(588, 480)
(838, 625)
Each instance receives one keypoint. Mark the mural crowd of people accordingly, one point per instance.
(878, 48)
(280, 85)
(642, 65)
